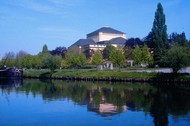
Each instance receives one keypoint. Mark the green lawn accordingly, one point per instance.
(101, 74)
(34, 72)
(93, 73)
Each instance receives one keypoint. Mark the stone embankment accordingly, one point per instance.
(109, 79)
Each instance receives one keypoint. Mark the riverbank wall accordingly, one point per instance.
(110, 76)
(112, 79)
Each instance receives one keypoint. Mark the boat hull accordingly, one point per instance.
(11, 73)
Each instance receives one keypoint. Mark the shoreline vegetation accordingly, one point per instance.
(107, 75)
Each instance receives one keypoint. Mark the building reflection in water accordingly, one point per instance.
(105, 109)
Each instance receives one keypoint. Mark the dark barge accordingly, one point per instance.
(10, 73)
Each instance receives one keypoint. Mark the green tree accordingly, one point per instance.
(117, 58)
(10, 62)
(148, 40)
(52, 62)
(75, 60)
(128, 52)
(42, 56)
(26, 61)
(8, 59)
(30, 61)
(97, 58)
(107, 51)
(146, 56)
(64, 64)
(19, 56)
(159, 35)
(137, 55)
(179, 39)
(69, 60)
(82, 59)
(177, 57)
(36, 62)
(142, 55)
(45, 49)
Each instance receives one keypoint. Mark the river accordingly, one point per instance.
(71, 103)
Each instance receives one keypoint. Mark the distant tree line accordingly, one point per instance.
(44, 59)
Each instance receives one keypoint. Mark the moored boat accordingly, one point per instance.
(10, 72)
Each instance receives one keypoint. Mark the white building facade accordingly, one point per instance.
(105, 34)
(99, 39)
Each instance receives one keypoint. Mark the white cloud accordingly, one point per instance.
(37, 6)
(49, 6)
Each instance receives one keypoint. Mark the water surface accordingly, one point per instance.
(35, 102)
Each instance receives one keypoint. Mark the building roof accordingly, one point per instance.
(105, 30)
(82, 42)
(118, 40)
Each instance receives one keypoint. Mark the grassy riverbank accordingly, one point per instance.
(89, 74)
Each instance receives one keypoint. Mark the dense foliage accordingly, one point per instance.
(178, 57)
(178, 39)
(117, 57)
(97, 58)
(131, 42)
(128, 52)
(74, 60)
(59, 51)
(107, 51)
(51, 62)
(142, 56)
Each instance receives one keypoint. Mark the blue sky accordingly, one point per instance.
(29, 24)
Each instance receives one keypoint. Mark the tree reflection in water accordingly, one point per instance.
(110, 99)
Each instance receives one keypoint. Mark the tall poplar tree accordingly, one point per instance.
(159, 35)
(45, 49)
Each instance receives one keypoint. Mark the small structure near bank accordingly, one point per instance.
(130, 63)
(107, 65)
